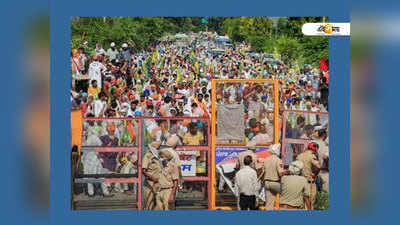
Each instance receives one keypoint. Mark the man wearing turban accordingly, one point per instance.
(295, 190)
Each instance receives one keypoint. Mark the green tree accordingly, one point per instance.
(188, 25)
(315, 48)
(289, 48)
(260, 32)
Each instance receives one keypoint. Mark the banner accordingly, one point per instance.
(225, 162)
(188, 163)
(229, 155)
(230, 122)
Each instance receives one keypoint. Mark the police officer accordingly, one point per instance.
(165, 198)
(273, 172)
(151, 166)
(171, 144)
(251, 148)
(295, 190)
(311, 167)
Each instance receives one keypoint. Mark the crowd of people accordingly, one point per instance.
(172, 78)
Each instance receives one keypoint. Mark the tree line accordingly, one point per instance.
(269, 35)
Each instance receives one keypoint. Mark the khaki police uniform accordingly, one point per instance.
(150, 188)
(272, 169)
(242, 155)
(309, 160)
(176, 160)
(168, 175)
(175, 156)
(294, 189)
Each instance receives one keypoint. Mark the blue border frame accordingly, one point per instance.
(61, 12)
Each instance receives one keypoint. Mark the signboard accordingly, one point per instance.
(229, 155)
(188, 163)
(225, 162)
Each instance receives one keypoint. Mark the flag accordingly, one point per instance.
(155, 56)
(296, 66)
(196, 65)
(125, 136)
(191, 55)
(179, 75)
(191, 75)
(323, 64)
(263, 70)
(276, 54)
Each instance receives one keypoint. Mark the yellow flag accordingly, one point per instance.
(179, 75)
(276, 54)
(196, 65)
(296, 66)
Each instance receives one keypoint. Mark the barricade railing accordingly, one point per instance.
(139, 148)
(299, 144)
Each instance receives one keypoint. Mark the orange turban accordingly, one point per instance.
(110, 126)
(155, 96)
(186, 122)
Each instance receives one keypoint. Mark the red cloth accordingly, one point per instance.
(324, 64)
(327, 77)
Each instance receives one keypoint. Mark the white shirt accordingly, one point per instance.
(125, 107)
(112, 54)
(198, 112)
(247, 182)
(98, 106)
(184, 92)
(311, 118)
(95, 69)
(130, 112)
(100, 51)
(262, 138)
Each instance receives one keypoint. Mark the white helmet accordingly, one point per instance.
(124, 45)
(112, 44)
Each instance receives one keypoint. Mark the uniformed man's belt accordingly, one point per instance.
(272, 180)
(285, 206)
(166, 188)
(241, 194)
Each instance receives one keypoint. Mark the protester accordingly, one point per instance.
(167, 75)
(92, 165)
(173, 78)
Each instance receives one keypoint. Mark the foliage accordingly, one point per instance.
(321, 200)
(263, 33)
(289, 48)
(315, 48)
(250, 29)
(140, 31)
